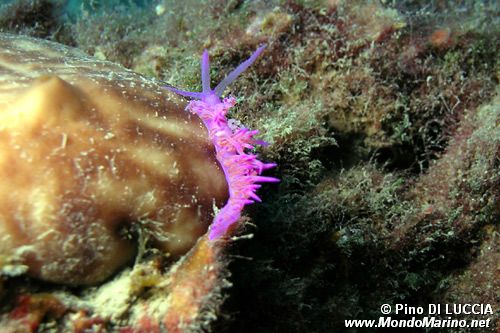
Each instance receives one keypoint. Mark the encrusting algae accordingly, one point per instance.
(382, 120)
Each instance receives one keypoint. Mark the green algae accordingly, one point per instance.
(385, 131)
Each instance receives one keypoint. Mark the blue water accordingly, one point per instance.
(74, 8)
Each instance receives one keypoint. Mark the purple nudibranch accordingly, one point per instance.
(242, 168)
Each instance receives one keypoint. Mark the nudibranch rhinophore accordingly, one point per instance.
(88, 150)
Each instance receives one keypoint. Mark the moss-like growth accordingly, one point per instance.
(383, 119)
(388, 180)
(37, 18)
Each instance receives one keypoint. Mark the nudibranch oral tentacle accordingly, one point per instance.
(232, 144)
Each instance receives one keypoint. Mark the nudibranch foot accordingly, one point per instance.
(232, 144)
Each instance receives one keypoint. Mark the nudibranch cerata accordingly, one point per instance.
(89, 151)
(232, 144)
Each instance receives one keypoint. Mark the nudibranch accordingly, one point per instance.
(91, 155)
(242, 168)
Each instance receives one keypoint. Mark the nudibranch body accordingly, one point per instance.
(242, 168)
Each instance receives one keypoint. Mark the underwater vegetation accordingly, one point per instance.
(383, 120)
